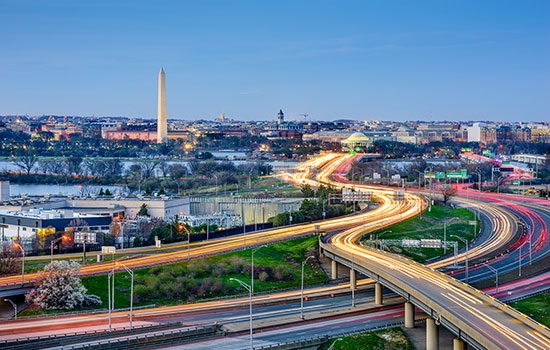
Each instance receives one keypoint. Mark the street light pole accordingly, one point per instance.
(520, 260)
(466, 243)
(52, 244)
(496, 276)
(20, 246)
(352, 286)
(332, 346)
(302, 289)
(131, 290)
(249, 288)
(14, 307)
(109, 296)
(445, 233)
(216, 190)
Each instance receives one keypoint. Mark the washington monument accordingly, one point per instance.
(162, 127)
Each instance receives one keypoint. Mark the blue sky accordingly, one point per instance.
(390, 60)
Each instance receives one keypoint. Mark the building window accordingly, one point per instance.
(24, 229)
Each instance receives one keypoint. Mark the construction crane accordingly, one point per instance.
(305, 115)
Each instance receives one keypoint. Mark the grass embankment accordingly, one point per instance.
(537, 307)
(385, 339)
(277, 266)
(430, 227)
(265, 184)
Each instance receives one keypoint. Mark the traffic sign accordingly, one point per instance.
(430, 243)
(89, 237)
(107, 249)
(440, 175)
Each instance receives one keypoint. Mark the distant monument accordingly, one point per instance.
(162, 125)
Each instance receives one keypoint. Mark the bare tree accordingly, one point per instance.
(448, 191)
(9, 259)
(149, 167)
(25, 161)
(164, 168)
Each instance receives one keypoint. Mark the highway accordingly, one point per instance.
(482, 320)
(387, 213)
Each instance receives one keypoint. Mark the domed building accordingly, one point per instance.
(360, 141)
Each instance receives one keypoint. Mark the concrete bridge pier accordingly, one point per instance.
(334, 270)
(432, 335)
(409, 315)
(459, 344)
(352, 279)
(378, 296)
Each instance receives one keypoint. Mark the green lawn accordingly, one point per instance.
(537, 307)
(385, 339)
(170, 283)
(430, 227)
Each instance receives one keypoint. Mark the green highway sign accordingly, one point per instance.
(462, 174)
(516, 183)
(440, 175)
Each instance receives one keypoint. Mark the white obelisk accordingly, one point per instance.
(162, 127)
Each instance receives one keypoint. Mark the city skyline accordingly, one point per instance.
(426, 61)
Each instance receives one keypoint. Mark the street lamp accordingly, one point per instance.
(109, 275)
(431, 186)
(249, 289)
(466, 243)
(445, 233)
(18, 245)
(182, 227)
(216, 191)
(387, 231)
(252, 275)
(496, 277)
(131, 289)
(302, 289)
(52, 243)
(14, 307)
(332, 346)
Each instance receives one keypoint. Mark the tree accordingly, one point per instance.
(307, 191)
(448, 192)
(59, 287)
(73, 165)
(9, 259)
(25, 161)
(143, 210)
(311, 210)
(149, 167)
(177, 170)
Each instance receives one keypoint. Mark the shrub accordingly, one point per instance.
(263, 276)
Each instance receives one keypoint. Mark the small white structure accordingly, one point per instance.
(4, 190)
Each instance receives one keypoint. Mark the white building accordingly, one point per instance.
(474, 133)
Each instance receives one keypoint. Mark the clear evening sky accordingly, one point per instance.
(389, 60)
